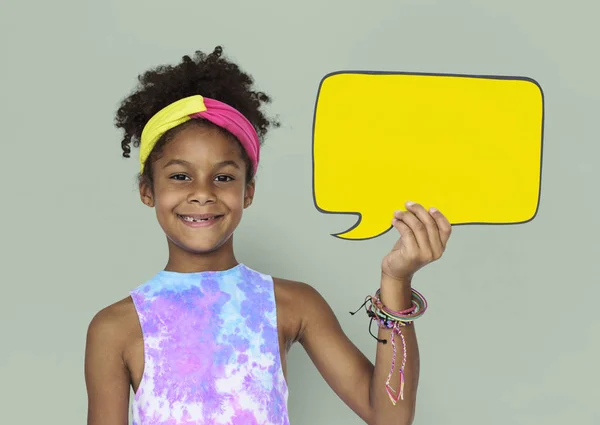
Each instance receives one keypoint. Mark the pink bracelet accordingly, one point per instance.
(395, 321)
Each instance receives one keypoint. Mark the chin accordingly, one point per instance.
(198, 247)
(202, 249)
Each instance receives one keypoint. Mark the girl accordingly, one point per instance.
(204, 341)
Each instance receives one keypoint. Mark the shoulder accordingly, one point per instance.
(111, 325)
(299, 292)
(293, 287)
(106, 372)
(302, 302)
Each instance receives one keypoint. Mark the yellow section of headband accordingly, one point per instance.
(164, 120)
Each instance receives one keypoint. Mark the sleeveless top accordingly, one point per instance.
(211, 350)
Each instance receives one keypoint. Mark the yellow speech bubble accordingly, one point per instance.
(470, 146)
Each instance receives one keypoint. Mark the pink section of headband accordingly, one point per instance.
(233, 121)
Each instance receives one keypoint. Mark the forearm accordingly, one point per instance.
(395, 295)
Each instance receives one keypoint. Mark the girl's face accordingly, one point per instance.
(200, 190)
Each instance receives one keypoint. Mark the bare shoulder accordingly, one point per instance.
(113, 323)
(293, 288)
(116, 328)
(106, 373)
(300, 302)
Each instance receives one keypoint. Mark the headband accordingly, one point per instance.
(197, 106)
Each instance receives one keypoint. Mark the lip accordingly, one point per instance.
(195, 224)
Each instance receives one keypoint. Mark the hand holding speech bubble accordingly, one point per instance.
(470, 146)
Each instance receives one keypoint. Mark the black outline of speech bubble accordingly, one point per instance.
(487, 77)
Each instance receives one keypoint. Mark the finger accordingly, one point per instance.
(407, 236)
(443, 224)
(418, 229)
(433, 232)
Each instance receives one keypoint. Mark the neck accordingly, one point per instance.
(180, 260)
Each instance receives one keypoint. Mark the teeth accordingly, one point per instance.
(196, 220)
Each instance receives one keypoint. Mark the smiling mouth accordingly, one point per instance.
(199, 218)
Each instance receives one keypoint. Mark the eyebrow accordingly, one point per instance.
(189, 164)
(176, 162)
(226, 163)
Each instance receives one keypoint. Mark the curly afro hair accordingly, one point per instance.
(210, 75)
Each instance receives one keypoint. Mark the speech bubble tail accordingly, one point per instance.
(365, 229)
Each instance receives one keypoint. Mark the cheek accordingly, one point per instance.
(236, 201)
(234, 198)
(167, 199)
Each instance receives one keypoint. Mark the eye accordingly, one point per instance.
(179, 177)
(224, 178)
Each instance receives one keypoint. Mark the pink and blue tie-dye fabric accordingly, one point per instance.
(211, 350)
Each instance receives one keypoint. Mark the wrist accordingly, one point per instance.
(396, 293)
(395, 281)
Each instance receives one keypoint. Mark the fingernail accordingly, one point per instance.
(432, 210)
(410, 203)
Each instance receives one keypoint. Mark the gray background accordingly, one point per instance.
(511, 336)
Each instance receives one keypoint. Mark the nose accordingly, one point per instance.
(201, 193)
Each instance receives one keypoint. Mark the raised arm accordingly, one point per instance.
(359, 383)
(106, 375)
(349, 373)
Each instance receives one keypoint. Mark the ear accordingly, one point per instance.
(249, 194)
(146, 194)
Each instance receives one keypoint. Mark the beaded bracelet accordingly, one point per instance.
(394, 321)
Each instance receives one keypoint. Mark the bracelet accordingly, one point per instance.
(419, 306)
(384, 321)
(394, 321)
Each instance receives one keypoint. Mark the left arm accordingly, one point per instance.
(359, 383)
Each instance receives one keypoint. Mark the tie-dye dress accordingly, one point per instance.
(211, 350)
